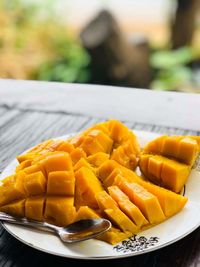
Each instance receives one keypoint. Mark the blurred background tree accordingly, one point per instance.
(145, 44)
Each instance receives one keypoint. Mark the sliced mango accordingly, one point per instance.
(86, 186)
(145, 201)
(127, 206)
(114, 236)
(171, 203)
(105, 201)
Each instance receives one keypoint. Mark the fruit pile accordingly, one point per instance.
(92, 175)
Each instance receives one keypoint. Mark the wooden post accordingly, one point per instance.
(184, 23)
(112, 56)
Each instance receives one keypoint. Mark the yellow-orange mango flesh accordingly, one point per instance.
(188, 150)
(118, 172)
(127, 206)
(105, 201)
(23, 165)
(144, 200)
(77, 154)
(106, 168)
(86, 186)
(37, 167)
(84, 212)
(41, 146)
(174, 175)
(35, 184)
(12, 189)
(60, 210)
(57, 161)
(166, 172)
(171, 203)
(121, 220)
(34, 208)
(120, 156)
(77, 140)
(16, 208)
(102, 126)
(114, 236)
(82, 163)
(61, 183)
(109, 206)
(154, 168)
(118, 131)
(171, 146)
(50, 147)
(156, 145)
(97, 159)
(96, 142)
(143, 163)
(184, 149)
(34, 151)
(111, 178)
(66, 147)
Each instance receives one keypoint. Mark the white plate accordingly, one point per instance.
(154, 238)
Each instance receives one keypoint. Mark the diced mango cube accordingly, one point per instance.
(154, 168)
(15, 208)
(97, 159)
(66, 147)
(12, 190)
(57, 161)
(35, 184)
(61, 183)
(77, 154)
(174, 174)
(188, 150)
(82, 163)
(34, 208)
(106, 168)
(60, 210)
(37, 167)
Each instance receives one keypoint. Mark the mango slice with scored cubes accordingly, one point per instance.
(165, 172)
(91, 175)
(181, 148)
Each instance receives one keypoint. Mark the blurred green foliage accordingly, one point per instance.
(171, 68)
(34, 34)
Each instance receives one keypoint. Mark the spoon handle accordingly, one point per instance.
(23, 221)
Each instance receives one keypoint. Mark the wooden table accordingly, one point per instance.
(31, 112)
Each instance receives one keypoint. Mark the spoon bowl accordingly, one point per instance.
(83, 230)
(75, 232)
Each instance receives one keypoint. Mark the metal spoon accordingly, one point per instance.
(75, 232)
